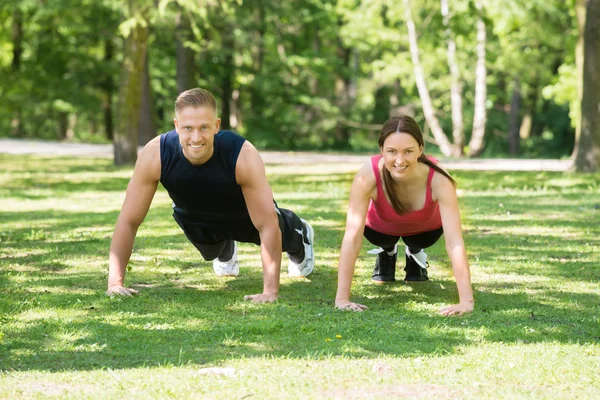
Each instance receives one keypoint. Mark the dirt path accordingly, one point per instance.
(18, 146)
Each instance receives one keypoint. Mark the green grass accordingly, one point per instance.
(533, 241)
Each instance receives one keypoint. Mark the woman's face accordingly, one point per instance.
(400, 153)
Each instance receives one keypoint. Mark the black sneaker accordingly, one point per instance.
(385, 267)
(414, 272)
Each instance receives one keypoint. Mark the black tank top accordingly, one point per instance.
(207, 193)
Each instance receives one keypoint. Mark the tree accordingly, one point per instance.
(513, 121)
(588, 150)
(147, 126)
(458, 134)
(185, 55)
(479, 118)
(108, 87)
(130, 91)
(439, 135)
(17, 39)
(580, 15)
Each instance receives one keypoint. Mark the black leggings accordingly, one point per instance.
(415, 243)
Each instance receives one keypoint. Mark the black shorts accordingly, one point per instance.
(414, 242)
(210, 239)
(197, 232)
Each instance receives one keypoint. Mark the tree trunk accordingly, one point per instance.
(530, 108)
(258, 55)
(228, 76)
(458, 134)
(476, 144)
(71, 126)
(236, 113)
(342, 97)
(439, 135)
(63, 125)
(316, 49)
(108, 88)
(147, 130)
(93, 124)
(130, 92)
(17, 41)
(588, 151)
(513, 121)
(526, 123)
(580, 13)
(185, 55)
(381, 106)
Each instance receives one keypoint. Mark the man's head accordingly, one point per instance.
(197, 97)
(197, 124)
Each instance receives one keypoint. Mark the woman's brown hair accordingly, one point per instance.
(404, 124)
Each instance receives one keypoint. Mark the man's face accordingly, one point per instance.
(197, 127)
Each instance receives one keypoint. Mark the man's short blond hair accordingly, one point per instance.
(196, 97)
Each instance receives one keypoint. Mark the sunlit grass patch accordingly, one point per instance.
(532, 237)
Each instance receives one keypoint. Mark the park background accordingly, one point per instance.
(485, 79)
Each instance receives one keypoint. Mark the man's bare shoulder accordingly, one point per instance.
(248, 149)
(153, 146)
(148, 163)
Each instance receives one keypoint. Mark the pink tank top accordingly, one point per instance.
(382, 217)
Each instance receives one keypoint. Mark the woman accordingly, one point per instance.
(403, 193)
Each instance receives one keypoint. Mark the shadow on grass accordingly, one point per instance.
(38, 189)
(55, 316)
(64, 322)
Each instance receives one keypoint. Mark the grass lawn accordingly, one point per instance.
(534, 245)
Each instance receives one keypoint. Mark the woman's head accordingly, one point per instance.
(401, 124)
(401, 144)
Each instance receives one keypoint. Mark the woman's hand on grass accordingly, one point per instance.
(120, 291)
(457, 309)
(261, 298)
(347, 305)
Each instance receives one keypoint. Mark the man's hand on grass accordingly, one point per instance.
(120, 291)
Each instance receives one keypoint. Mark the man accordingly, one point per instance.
(220, 195)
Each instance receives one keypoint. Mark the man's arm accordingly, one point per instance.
(138, 198)
(251, 176)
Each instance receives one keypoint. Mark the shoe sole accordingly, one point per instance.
(235, 263)
(382, 282)
(311, 236)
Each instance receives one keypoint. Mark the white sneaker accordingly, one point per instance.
(420, 257)
(308, 264)
(227, 268)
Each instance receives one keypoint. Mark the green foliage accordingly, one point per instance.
(564, 90)
(299, 70)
